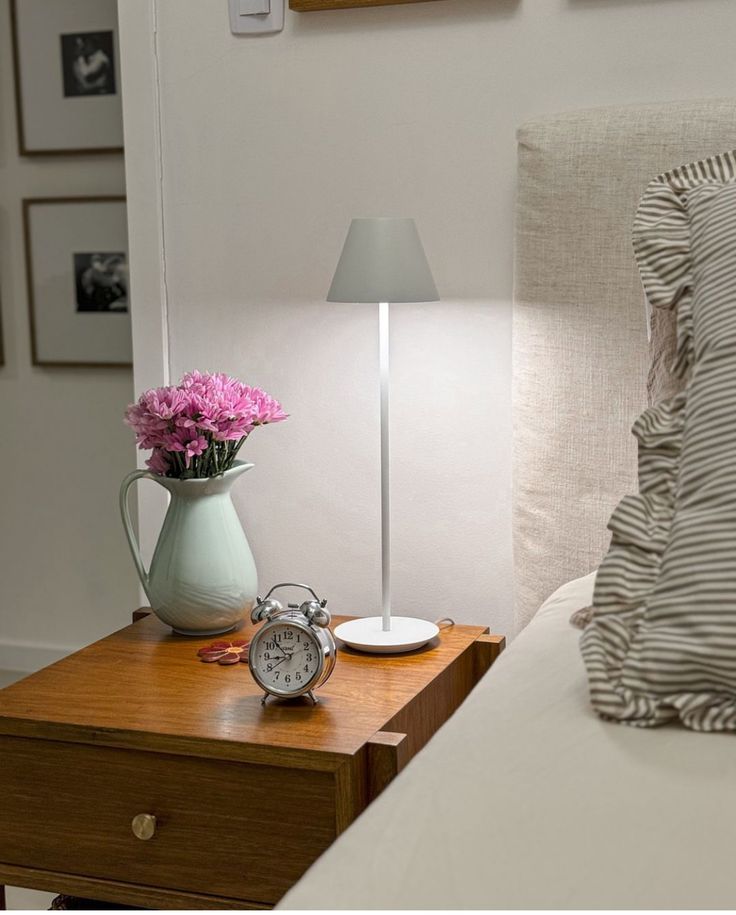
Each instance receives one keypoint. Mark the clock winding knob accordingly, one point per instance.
(144, 826)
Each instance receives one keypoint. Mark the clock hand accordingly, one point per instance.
(280, 648)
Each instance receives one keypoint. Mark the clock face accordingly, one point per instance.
(286, 658)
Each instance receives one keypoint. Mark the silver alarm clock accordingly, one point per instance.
(293, 653)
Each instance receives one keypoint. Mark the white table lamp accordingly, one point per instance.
(383, 261)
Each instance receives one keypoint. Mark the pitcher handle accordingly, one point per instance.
(128, 525)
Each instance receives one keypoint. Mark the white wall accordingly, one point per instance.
(258, 151)
(65, 574)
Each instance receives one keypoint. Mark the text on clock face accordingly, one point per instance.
(288, 658)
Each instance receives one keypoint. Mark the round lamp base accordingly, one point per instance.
(366, 634)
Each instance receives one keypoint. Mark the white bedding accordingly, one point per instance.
(526, 799)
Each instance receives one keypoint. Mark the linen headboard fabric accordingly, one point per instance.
(580, 352)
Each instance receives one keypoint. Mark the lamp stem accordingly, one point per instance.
(383, 330)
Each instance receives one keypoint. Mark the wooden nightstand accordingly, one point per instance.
(135, 724)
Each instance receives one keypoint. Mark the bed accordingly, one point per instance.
(526, 799)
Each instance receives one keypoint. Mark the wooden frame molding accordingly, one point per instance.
(112, 891)
(388, 753)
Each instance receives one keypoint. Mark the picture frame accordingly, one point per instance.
(306, 6)
(76, 254)
(66, 66)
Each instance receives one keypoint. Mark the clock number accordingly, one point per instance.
(287, 679)
(277, 675)
(309, 657)
(306, 668)
(269, 667)
(298, 676)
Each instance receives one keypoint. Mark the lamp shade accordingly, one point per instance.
(383, 260)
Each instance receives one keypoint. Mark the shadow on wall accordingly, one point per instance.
(407, 15)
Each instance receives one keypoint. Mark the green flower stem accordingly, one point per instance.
(217, 458)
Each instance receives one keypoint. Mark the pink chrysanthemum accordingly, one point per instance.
(196, 428)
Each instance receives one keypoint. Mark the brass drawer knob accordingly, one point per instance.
(144, 826)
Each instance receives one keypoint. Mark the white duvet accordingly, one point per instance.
(525, 799)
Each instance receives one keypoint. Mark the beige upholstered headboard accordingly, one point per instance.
(580, 345)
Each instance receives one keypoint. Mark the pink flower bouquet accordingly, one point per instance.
(196, 427)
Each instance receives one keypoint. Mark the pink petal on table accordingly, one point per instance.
(213, 655)
(229, 658)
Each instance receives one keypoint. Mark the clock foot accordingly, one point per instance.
(309, 695)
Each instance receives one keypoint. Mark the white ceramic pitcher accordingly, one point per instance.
(202, 579)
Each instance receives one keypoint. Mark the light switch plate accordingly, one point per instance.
(256, 17)
(254, 7)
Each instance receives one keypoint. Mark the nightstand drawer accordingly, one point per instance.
(222, 828)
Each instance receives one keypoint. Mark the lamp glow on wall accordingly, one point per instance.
(383, 261)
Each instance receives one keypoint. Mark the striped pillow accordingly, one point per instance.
(662, 642)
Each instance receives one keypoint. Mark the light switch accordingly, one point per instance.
(256, 17)
(254, 7)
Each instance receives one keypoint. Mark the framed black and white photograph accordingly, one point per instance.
(101, 280)
(88, 63)
(67, 76)
(77, 273)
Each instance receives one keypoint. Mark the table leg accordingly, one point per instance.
(3, 907)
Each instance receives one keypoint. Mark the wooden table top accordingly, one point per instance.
(144, 687)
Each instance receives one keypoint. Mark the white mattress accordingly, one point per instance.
(526, 800)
